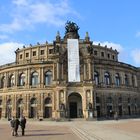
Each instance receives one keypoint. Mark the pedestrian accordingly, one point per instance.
(12, 123)
(23, 124)
(16, 126)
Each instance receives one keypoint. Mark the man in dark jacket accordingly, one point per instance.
(12, 123)
(23, 124)
(16, 126)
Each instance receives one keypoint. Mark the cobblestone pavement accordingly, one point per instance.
(37, 131)
(76, 130)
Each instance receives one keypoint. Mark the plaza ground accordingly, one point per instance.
(128, 129)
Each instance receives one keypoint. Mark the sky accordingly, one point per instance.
(115, 23)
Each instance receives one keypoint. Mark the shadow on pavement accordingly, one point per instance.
(50, 134)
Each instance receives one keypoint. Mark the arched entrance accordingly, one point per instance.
(48, 108)
(9, 109)
(75, 105)
(19, 112)
(33, 108)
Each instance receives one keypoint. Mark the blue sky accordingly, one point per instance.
(115, 23)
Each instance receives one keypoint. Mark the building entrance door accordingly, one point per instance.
(73, 110)
(75, 105)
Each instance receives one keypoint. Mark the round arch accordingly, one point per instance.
(19, 110)
(48, 107)
(75, 105)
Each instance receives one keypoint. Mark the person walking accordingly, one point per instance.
(16, 125)
(23, 124)
(12, 123)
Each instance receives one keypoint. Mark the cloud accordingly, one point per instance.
(26, 14)
(7, 54)
(116, 46)
(136, 56)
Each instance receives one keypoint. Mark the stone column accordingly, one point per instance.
(130, 79)
(27, 101)
(28, 77)
(42, 77)
(122, 78)
(41, 106)
(57, 105)
(14, 100)
(16, 79)
(84, 101)
(89, 67)
(3, 106)
(62, 72)
(58, 72)
(84, 71)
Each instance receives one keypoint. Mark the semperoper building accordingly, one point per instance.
(69, 78)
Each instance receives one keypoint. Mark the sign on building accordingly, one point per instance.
(73, 60)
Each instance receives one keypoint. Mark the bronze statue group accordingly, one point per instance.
(15, 123)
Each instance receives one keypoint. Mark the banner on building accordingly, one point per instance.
(73, 60)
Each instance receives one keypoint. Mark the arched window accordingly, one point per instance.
(117, 79)
(126, 79)
(107, 78)
(22, 79)
(48, 78)
(12, 81)
(96, 78)
(3, 82)
(34, 79)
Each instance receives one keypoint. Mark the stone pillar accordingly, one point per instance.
(112, 78)
(58, 72)
(42, 77)
(135, 81)
(39, 78)
(28, 77)
(62, 71)
(16, 79)
(130, 79)
(41, 108)
(6, 80)
(14, 98)
(84, 101)
(89, 67)
(85, 71)
(3, 106)
(27, 102)
(122, 78)
(57, 105)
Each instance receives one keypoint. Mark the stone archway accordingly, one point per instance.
(48, 108)
(9, 109)
(33, 108)
(19, 110)
(75, 105)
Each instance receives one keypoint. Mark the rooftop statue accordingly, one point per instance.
(71, 29)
